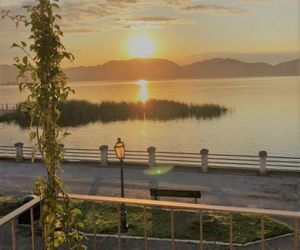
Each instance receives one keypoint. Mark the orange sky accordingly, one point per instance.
(182, 31)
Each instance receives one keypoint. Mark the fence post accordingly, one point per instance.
(151, 156)
(103, 155)
(262, 162)
(204, 159)
(19, 151)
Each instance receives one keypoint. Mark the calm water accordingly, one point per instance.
(265, 115)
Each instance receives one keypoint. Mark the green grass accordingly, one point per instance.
(246, 228)
(7, 204)
(76, 112)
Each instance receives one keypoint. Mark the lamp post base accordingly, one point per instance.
(123, 222)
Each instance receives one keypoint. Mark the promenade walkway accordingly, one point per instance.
(227, 188)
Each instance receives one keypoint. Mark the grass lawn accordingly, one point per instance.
(215, 225)
(7, 204)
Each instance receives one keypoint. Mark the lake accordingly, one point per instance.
(264, 115)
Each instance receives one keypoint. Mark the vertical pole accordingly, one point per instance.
(145, 228)
(231, 231)
(122, 206)
(204, 159)
(119, 229)
(94, 226)
(201, 229)
(296, 234)
(32, 229)
(13, 234)
(103, 155)
(262, 233)
(153, 181)
(263, 162)
(172, 229)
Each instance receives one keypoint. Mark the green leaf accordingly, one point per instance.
(14, 45)
(33, 152)
(76, 212)
(49, 219)
(32, 135)
(55, 5)
(25, 60)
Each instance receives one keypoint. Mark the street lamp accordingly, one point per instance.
(120, 154)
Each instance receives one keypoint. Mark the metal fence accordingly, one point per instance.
(169, 205)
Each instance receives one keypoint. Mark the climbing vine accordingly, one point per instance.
(40, 73)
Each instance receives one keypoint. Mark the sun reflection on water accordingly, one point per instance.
(143, 94)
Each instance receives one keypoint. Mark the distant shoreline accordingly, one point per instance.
(161, 80)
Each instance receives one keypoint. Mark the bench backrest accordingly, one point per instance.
(175, 193)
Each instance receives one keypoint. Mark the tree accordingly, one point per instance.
(41, 74)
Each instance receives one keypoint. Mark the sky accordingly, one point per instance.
(183, 31)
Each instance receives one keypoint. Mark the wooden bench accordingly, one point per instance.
(156, 193)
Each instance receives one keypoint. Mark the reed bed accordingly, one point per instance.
(80, 112)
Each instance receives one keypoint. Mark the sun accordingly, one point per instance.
(141, 46)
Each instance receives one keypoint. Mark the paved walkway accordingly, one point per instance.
(235, 189)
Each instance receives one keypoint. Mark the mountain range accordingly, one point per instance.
(161, 69)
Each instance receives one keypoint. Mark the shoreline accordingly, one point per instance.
(107, 82)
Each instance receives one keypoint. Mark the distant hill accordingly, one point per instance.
(127, 70)
(160, 69)
(220, 67)
(287, 68)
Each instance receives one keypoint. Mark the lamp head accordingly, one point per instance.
(120, 149)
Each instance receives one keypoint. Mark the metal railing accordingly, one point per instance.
(12, 217)
(169, 205)
(232, 161)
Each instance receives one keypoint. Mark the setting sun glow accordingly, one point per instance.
(141, 46)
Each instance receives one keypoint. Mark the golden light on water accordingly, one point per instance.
(143, 94)
(141, 46)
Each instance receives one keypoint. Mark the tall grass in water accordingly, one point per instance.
(76, 112)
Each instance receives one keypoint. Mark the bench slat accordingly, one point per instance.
(175, 193)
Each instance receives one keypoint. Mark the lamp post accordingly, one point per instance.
(120, 154)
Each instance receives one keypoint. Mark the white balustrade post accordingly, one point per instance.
(103, 155)
(19, 151)
(204, 159)
(151, 156)
(263, 155)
